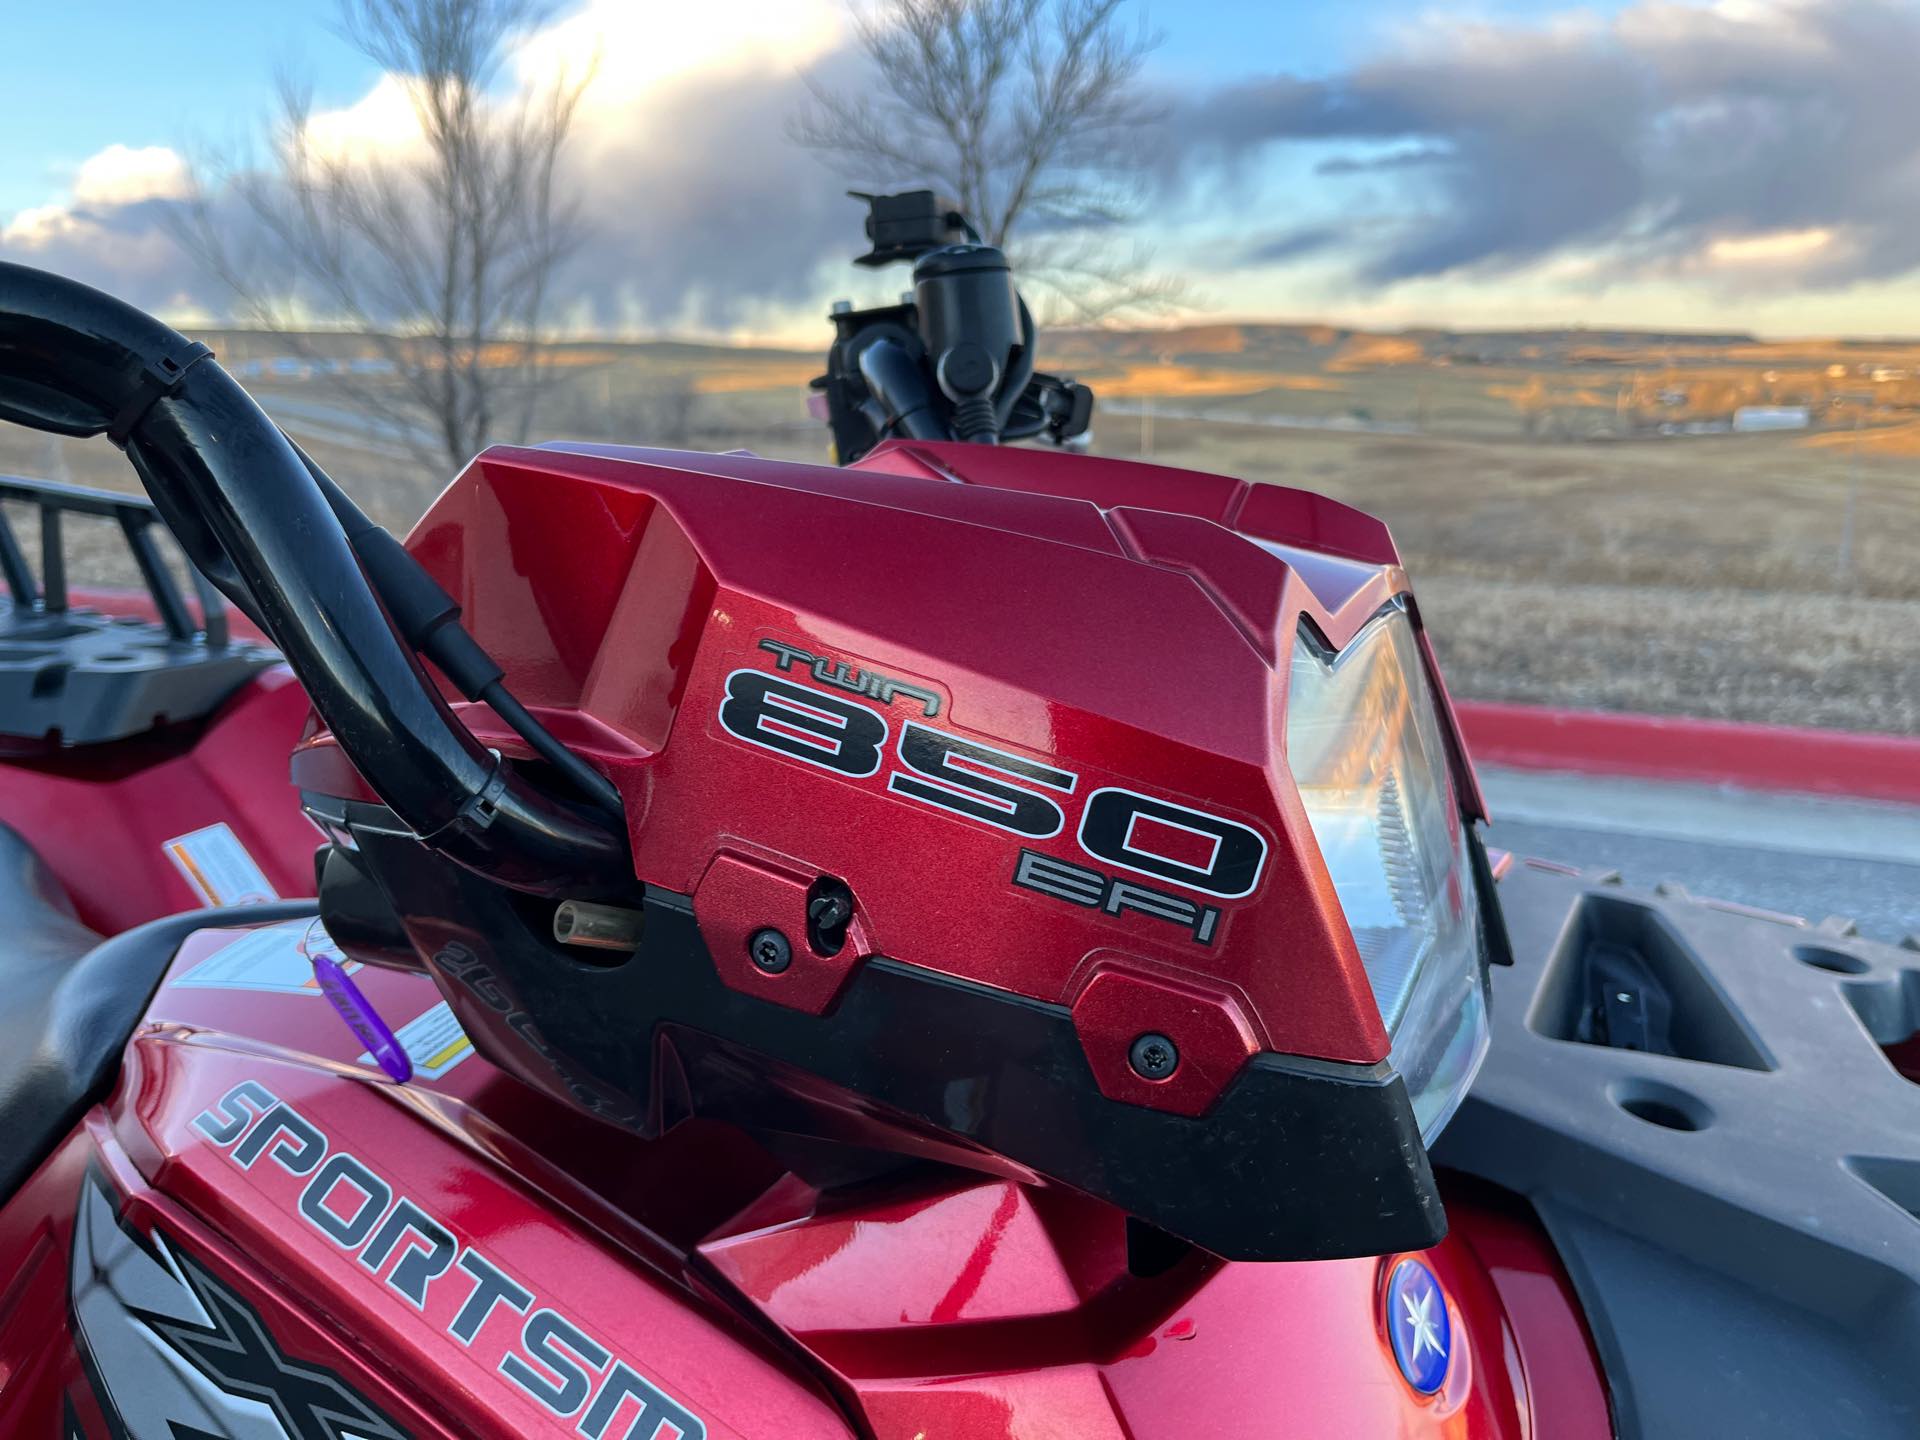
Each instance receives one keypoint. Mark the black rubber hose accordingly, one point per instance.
(899, 383)
(1014, 385)
(243, 506)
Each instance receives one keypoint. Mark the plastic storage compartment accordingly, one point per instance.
(1620, 976)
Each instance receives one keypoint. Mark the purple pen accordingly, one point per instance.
(361, 1017)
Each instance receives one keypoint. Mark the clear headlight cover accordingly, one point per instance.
(1363, 742)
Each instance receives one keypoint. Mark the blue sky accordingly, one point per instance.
(94, 73)
(100, 72)
(1223, 38)
(1710, 163)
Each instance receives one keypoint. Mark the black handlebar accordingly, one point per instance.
(242, 503)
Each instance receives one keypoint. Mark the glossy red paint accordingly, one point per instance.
(965, 1307)
(42, 1379)
(741, 895)
(991, 1310)
(626, 586)
(100, 816)
(1546, 1338)
(512, 1177)
(1106, 1014)
(1706, 752)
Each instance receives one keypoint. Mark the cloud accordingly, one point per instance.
(1709, 142)
(698, 208)
(105, 184)
(695, 209)
(109, 230)
(1294, 244)
(120, 175)
(1747, 149)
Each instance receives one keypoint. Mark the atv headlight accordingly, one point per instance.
(1364, 745)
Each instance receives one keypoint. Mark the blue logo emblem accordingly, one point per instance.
(1418, 1326)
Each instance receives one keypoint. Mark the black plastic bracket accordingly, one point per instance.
(77, 677)
(1734, 1184)
(158, 380)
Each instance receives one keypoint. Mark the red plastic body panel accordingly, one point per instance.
(624, 590)
(1704, 752)
(993, 1310)
(1546, 1338)
(100, 816)
(462, 1148)
(968, 1308)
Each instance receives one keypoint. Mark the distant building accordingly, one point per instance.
(1772, 417)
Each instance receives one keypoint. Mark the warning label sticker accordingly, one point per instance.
(273, 960)
(433, 1041)
(218, 867)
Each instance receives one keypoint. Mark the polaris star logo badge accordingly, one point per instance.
(1418, 1326)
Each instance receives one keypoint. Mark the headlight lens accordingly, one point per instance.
(1364, 745)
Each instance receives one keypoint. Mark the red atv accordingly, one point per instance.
(979, 942)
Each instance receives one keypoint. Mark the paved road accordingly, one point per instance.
(1799, 855)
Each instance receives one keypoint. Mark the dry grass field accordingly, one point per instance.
(1582, 526)
(1687, 576)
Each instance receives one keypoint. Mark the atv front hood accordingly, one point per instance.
(258, 1235)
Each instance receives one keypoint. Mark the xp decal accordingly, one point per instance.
(172, 1352)
(543, 1353)
(1168, 842)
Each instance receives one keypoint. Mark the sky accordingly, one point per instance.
(1704, 164)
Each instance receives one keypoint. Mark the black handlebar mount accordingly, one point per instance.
(954, 359)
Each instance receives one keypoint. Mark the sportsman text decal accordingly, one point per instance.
(549, 1357)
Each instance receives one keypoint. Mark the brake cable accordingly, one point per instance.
(428, 619)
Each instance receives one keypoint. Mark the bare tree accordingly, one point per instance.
(441, 255)
(1028, 113)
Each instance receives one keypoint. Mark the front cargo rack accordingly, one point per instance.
(74, 675)
(1715, 1112)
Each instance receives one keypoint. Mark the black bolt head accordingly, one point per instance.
(771, 951)
(830, 912)
(1153, 1057)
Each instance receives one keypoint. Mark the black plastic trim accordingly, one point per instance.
(1298, 1160)
(1743, 1226)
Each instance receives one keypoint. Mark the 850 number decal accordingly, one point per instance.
(1140, 834)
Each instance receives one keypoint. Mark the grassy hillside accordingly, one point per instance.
(1582, 525)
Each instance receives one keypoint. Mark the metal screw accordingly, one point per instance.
(771, 951)
(1153, 1057)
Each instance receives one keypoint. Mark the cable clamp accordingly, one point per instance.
(158, 380)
